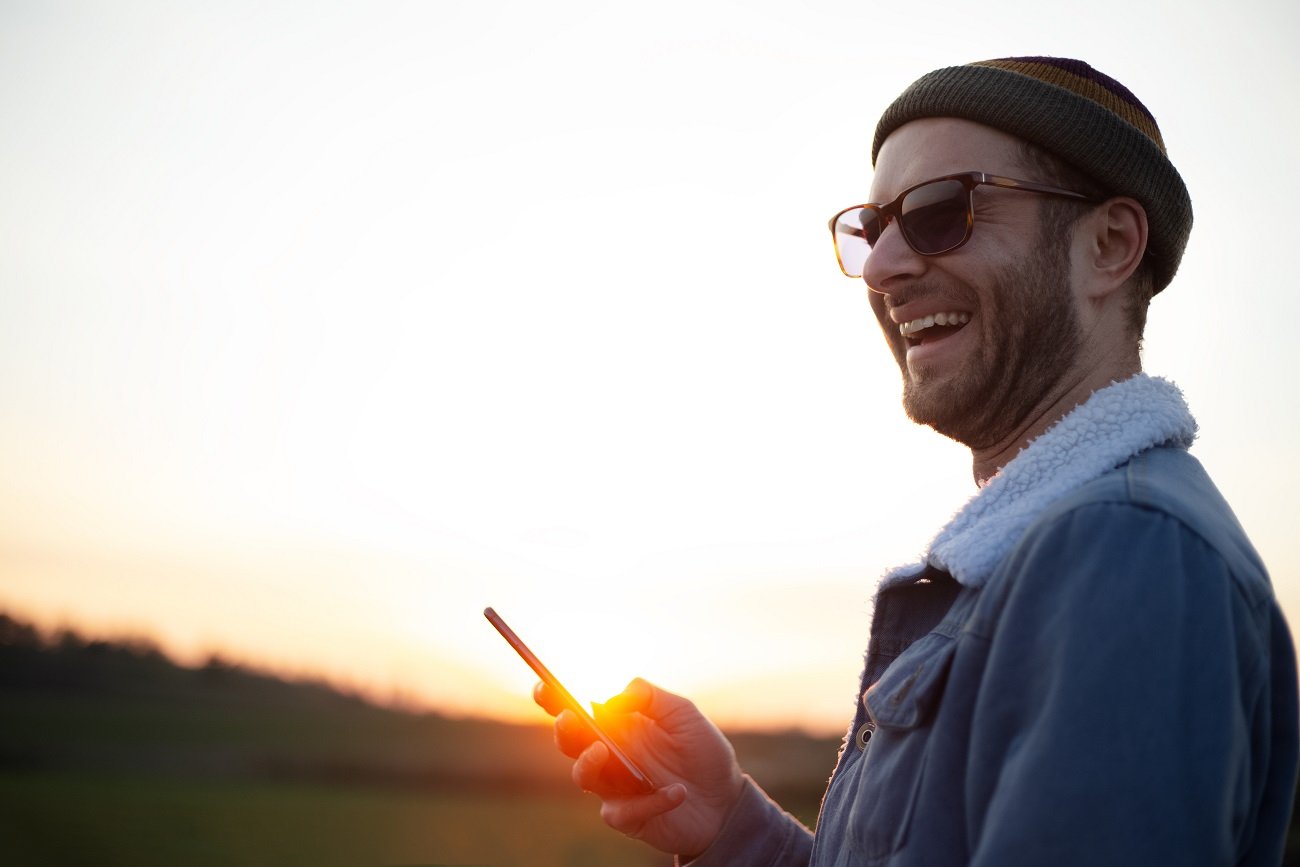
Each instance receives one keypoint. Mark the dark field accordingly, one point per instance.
(111, 754)
(75, 819)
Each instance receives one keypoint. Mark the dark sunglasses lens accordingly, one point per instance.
(936, 217)
(873, 223)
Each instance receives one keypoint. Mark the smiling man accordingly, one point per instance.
(1088, 665)
(998, 339)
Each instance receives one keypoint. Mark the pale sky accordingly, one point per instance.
(326, 325)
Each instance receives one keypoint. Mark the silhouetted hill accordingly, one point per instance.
(68, 662)
(75, 704)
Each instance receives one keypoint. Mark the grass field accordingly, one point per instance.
(62, 819)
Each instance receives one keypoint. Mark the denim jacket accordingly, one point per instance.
(1117, 686)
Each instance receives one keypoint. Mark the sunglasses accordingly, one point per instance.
(934, 217)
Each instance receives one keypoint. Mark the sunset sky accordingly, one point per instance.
(326, 325)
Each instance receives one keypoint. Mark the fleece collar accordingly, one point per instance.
(1103, 432)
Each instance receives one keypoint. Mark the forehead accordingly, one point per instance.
(935, 146)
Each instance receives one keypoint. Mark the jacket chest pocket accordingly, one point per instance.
(902, 706)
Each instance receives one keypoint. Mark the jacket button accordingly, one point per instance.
(864, 735)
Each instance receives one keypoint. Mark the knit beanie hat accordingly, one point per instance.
(1068, 108)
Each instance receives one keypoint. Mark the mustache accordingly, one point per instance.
(925, 291)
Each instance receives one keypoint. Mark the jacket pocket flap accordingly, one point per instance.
(910, 688)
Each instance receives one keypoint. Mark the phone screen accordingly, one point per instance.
(638, 778)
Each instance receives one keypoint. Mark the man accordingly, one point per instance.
(1088, 666)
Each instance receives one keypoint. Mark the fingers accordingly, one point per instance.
(630, 815)
(627, 814)
(547, 698)
(589, 765)
(572, 735)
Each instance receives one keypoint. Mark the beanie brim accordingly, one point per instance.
(1123, 159)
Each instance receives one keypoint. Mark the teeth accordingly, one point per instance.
(907, 329)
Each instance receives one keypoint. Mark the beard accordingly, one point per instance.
(1030, 338)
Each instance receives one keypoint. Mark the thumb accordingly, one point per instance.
(641, 696)
(637, 696)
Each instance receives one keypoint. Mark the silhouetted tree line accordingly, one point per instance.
(66, 661)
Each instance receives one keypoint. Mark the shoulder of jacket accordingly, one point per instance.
(1170, 482)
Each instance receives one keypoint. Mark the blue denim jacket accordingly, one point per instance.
(1121, 690)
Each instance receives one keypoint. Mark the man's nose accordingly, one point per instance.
(891, 263)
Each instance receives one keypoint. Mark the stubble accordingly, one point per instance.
(1029, 339)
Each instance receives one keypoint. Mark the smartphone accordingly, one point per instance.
(627, 773)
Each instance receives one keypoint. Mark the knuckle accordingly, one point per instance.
(613, 814)
(586, 770)
(586, 777)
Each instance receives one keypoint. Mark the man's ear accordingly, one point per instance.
(1116, 238)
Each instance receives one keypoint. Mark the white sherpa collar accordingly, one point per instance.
(1107, 429)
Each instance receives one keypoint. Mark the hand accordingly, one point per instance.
(689, 758)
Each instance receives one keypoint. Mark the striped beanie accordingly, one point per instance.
(1068, 108)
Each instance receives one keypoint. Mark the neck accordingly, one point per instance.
(987, 460)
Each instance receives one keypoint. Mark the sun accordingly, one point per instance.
(578, 658)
